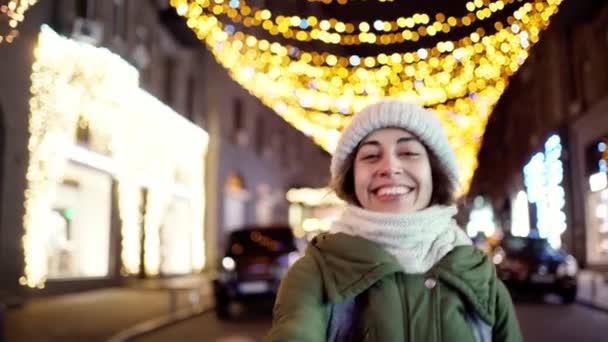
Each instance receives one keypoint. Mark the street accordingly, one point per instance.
(548, 321)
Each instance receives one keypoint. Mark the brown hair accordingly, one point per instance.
(343, 184)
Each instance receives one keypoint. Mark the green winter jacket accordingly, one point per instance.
(394, 306)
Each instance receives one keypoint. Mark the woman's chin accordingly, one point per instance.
(393, 207)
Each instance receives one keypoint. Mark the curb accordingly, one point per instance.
(592, 305)
(154, 324)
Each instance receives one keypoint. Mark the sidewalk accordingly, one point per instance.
(593, 289)
(101, 314)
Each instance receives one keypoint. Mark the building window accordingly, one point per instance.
(259, 135)
(85, 8)
(237, 120)
(119, 19)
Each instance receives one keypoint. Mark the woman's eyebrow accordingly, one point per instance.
(407, 139)
(370, 142)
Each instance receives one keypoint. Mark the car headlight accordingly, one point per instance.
(228, 264)
(567, 268)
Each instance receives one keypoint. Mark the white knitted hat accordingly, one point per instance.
(397, 114)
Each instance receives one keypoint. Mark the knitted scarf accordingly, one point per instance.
(417, 240)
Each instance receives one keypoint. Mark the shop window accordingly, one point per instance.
(597, 227)
(78, 234)
(176, 238)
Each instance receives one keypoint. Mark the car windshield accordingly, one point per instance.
(526, 245)
(261, 241)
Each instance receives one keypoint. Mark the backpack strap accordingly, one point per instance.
(341, 320)
(481, 330)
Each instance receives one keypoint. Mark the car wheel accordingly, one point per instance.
(222, 311)
(568, 295)
(222, 302)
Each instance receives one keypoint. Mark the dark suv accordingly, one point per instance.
(255, 261)
(525, 264)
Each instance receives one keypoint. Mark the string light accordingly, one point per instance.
(74, 82)
(312, 28)
(460, 81)
(12, 13)
(204, 24)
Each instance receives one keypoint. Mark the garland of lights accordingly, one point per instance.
(317, 92)
(505, 51)
(71, 79)
(13, 13)
(311, 28)
(203, 24)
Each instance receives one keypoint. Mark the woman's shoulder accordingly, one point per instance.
(304, 271)
(301, 286)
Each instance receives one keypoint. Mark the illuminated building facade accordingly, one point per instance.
(558, 100)
(119, 145)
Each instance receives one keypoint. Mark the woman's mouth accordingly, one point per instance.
(390, 193)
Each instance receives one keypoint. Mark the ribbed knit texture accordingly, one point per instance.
(397, 114)
(417, 240)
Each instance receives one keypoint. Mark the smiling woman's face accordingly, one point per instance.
(392, 172)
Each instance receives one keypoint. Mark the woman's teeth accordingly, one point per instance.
(392, 191)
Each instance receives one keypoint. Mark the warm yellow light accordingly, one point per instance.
(453, 78)
(13, 13)
(321, 29)
(113, 107)
(313, 197)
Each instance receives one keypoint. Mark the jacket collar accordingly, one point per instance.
(350, 265)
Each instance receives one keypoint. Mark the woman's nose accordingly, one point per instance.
(389, 167)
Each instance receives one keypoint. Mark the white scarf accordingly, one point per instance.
(417, 240)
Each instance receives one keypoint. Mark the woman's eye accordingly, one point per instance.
(409, 154)
(369, 156)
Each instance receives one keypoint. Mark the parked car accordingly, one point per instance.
(254, 262)
(531, 264)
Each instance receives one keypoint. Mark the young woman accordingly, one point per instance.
(395, 266)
